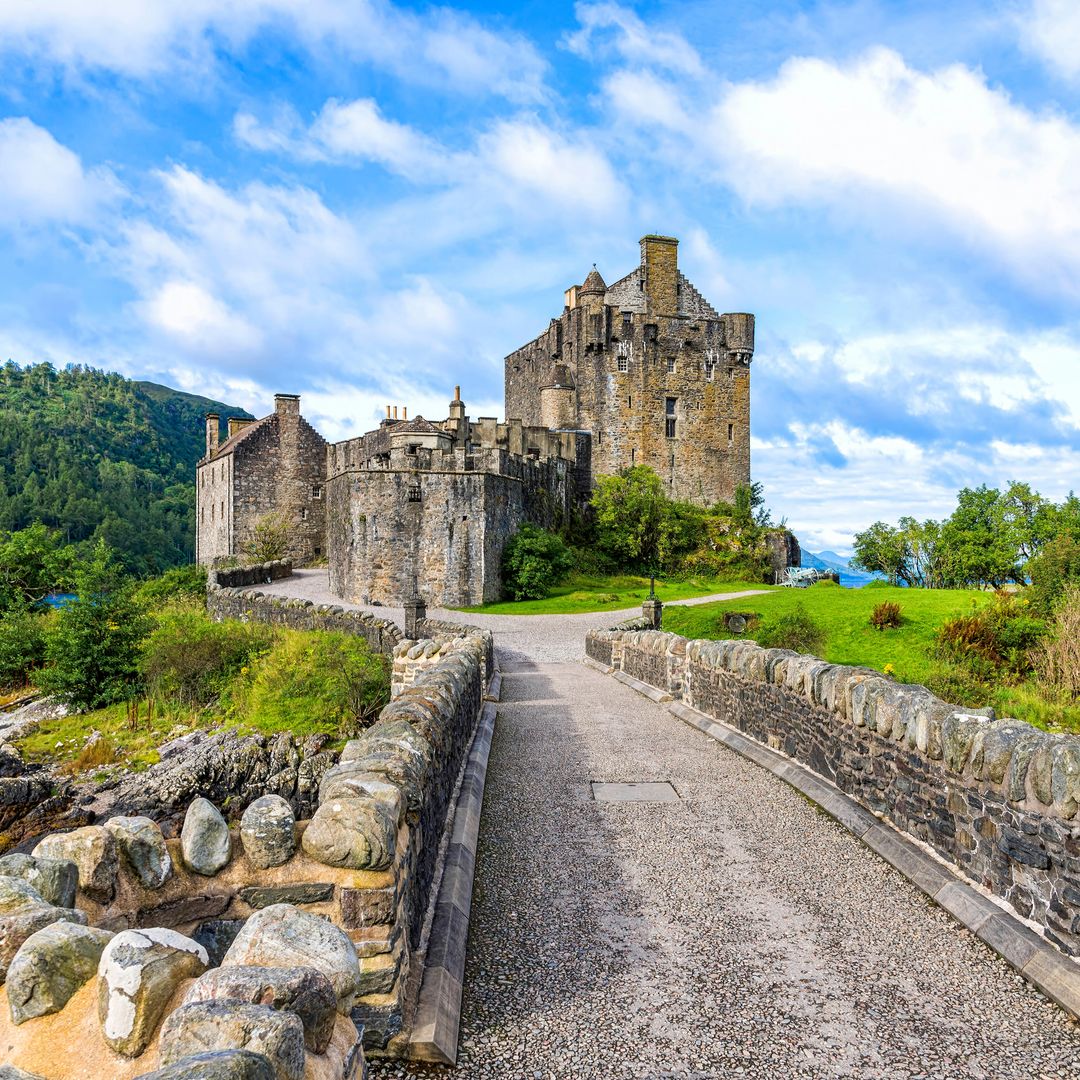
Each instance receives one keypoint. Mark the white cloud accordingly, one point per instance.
(188, 313)
(632, 39)
(43, 181)
(142, 38)
(1050, 29)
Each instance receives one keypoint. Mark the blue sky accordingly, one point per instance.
(367, 203)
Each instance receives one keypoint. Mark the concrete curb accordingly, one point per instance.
(437, 1020)
(1042, 965)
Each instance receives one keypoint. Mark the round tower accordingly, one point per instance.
(739, 336)
(558, 400)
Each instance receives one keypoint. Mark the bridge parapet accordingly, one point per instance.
(995, 797)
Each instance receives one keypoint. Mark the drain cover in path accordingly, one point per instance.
(634, 792)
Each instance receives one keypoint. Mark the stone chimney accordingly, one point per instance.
(287, 404)
(660, 267)
(213, 433)
(237, 424)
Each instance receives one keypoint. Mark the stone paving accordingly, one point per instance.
(735, 932)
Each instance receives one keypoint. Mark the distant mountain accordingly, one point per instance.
(96, 455)
(829, 560)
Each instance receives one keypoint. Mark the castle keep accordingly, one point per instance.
(644, 372)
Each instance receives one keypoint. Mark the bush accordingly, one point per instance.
(795, 629)
(92, 646)
(1056, 657)
(188, 659)
(314, 682)
(269, 539)
(22, 647)
(885, 615)
(994, 641)
(180, 583)
(533, 561)
(1055, 567)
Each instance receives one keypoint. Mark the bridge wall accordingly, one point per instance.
(997, 798)
(367, 862)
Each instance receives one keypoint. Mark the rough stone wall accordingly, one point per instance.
(253, 606)
(995, 797)
(256, 574)
(650, 338)
(274, 466)
(366, 861)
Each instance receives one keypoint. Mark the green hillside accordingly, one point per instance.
(96, 455)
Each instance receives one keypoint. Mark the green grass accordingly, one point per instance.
(845, 616)
(582, 593)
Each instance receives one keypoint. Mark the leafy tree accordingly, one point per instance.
(1056, 567)
(33, 563)
(882, 549)
(629, 513)
(269, 539)
(22, 646)
(978, 545)
(533, 561)
(92, 647)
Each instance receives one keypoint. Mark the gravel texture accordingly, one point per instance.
(737, 932)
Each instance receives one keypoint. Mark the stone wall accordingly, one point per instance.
(148, 946)
(997, 798)
(254, 606)
(236, 577)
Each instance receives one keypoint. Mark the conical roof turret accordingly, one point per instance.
(594, 283)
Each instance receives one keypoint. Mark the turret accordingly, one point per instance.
(558, 400)
(738, 337)
(458, 422)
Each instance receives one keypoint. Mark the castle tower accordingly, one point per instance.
(651, 370)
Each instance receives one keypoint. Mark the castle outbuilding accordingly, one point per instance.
(641, 372)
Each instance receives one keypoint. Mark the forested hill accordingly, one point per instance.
(97, 455)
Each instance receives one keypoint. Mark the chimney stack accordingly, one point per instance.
(213, 433)
(287, 404)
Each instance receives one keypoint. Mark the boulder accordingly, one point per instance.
(138, 972)
(9, 1072)
(143, 847)
(216, 935)
(54, 879)
(268, 832)
(50, 966)
(357, 833)
(282, 936)
(217, 1065)
(303, 991)
(93, 850)
(205, 842)
(227, 1025)
(23, 912)
(355, 781)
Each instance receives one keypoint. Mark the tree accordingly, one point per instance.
(882, 549)
(269, 539)
(978, 544)
(92, 649)
(33, 563)
(629, 512)
(533, 561)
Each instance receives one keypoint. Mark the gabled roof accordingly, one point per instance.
(416, 426)
(230, 444)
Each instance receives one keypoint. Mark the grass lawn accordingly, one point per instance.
(583, 593)
(845, 615)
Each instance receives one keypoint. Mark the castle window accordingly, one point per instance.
(731, 434)
(710, 367)
(632, 455)
(303, 513)
(316, 491)
(202, 515)
(627, 325)
(671, 365)
(211, 511)
(223, 510)
(415, 494)
(669, 417)
(623, 364)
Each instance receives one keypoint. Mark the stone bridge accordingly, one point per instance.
(695, 860)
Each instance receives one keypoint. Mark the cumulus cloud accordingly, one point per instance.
(43, 181)
(609, 26)
(144, 38)
(1050, 29)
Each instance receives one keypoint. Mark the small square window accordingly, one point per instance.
(671, 365)
(669, 406)
(316, 491)
(623, 364)
(415, 495)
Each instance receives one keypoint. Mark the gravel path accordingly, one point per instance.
(736, 932)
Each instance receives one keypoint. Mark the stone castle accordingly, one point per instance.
(642, 372)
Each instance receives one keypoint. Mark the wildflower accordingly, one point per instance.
(889, 669)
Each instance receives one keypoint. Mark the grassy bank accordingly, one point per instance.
(582, 593)
(845, 616)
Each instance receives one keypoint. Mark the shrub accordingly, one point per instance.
(1051, 571)
(994, 641)
(314, 682)
(92, 645)
(180, 583)
(533, 561)
(885, 615)
(1056, 657)
(795, 629)
(189, 659)
(22, 646)
(269, 539)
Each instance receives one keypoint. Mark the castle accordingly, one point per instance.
(642, 372)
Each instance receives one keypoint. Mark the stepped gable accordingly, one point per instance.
(231, 443)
